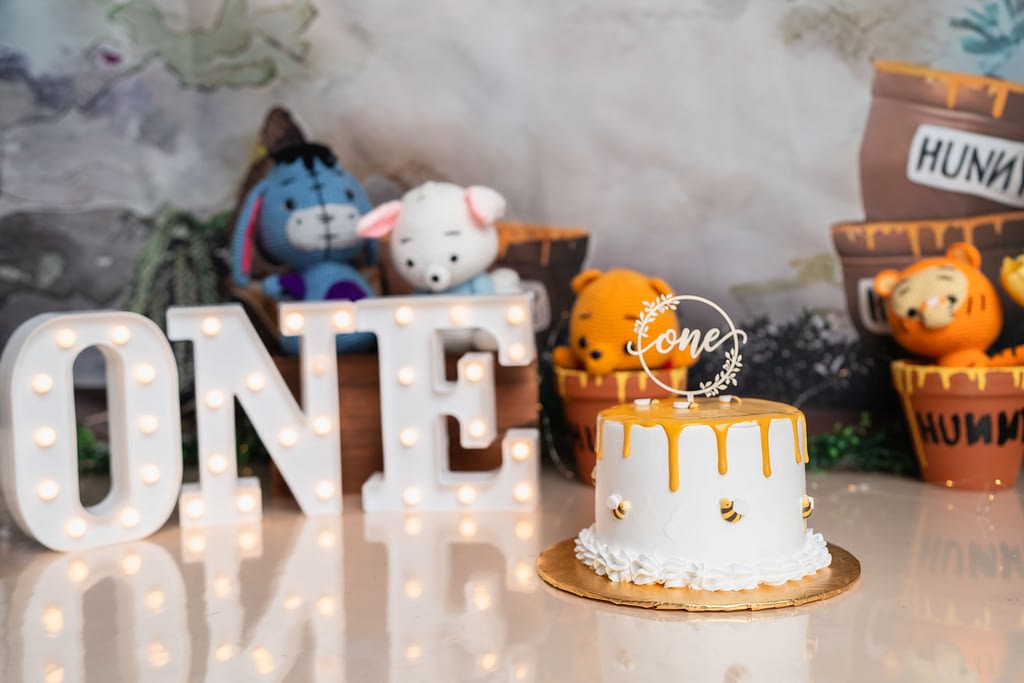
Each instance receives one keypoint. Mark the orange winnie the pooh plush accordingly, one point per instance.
(602, 318)
(944, 308)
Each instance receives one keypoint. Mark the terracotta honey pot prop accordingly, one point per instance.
(964, 408)
(939, 163)
(596, 370)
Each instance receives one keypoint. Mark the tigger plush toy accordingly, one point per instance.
(944, 308)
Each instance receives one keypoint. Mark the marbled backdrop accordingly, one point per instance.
(710, 142)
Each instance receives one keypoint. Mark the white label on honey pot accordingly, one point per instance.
(955, 160)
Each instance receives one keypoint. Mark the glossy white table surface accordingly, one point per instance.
(455, 597)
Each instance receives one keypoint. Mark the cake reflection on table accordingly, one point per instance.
(733, 648)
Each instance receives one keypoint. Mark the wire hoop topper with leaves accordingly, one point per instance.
(696, 340)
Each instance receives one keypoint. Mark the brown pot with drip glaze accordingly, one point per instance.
(584, 396)
(966, 424)
(940, 143)
(865, 249)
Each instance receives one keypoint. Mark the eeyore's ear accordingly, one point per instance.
(484, 204)
(380, 221)
(245, 235)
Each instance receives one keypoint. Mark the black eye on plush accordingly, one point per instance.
(350, 195)
(289, 204)
(409, 263)
(582, 342)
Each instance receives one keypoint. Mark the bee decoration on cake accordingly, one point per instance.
(619, 507)
(806, 506)
(728, 510)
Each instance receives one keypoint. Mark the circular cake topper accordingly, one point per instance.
(697, 341)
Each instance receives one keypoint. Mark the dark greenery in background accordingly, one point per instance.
(93, 455)
(863, 446)
(805, 362)
(179, 267)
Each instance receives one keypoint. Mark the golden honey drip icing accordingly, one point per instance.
(766, 462)
(999, 90)
(721, 417)
(915, 230)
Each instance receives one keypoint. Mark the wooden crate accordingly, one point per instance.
(516, 400)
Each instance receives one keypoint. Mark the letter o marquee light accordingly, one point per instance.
(39, 458)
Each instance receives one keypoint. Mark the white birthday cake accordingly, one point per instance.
(708, 495)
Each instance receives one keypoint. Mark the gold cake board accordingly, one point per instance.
(559, 567)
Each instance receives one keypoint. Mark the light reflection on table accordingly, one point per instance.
(455, 597)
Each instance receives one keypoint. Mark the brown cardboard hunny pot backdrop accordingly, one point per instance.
(940, 144)
(865, 249)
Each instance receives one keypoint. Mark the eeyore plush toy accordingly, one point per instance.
(303, 216)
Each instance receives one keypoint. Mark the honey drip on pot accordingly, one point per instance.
(720, 417)
(999, 90)
(908, 377)
(914, 230)
(621, 379)
(676, 379)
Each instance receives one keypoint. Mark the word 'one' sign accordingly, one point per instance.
(38, 450)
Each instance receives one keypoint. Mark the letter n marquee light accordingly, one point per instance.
(415, 397)
(231, 362)
(39, 457)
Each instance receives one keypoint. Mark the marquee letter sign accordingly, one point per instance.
(38, 460)
(39, 469)
(231, 362)
(415, 397)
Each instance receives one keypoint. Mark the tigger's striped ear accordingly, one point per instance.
(964, 253)
(885, 282)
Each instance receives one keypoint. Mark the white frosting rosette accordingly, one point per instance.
(673, 572)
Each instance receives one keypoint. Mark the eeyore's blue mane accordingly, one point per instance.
(308, 153)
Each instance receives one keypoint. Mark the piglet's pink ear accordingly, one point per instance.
(380, 221)
(484, 205)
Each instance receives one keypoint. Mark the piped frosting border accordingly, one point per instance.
(620, 565)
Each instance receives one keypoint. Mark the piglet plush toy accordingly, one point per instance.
(443, 238)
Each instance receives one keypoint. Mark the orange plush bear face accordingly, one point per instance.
(943, 308)
(602, 320)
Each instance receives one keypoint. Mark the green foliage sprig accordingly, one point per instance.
(863, 446)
